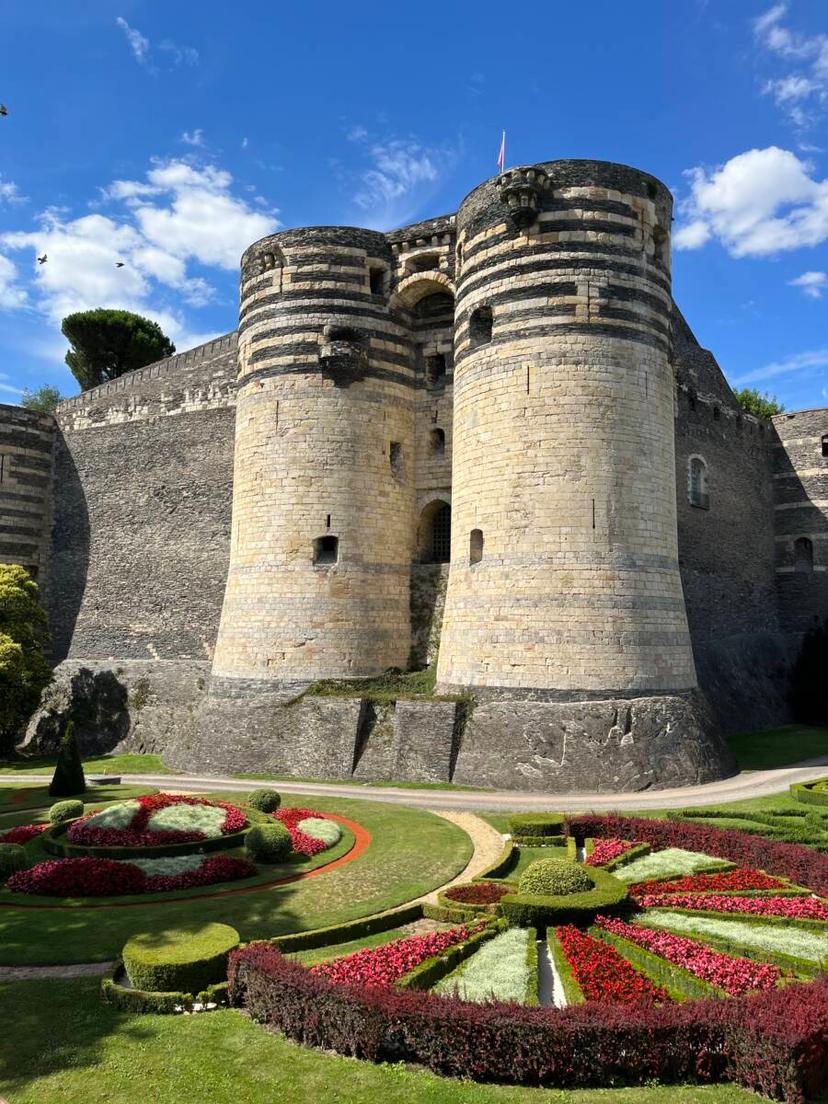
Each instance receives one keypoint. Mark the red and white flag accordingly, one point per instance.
(501, 156)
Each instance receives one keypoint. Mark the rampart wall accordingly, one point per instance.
(26, 448)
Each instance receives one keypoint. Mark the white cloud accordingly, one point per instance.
(192, 137)
(8, 388)
(10, 193)
(761, 202)
(12, 293)
(400, 176)
(809, 363)
(812, 283)
(802, 92)
(138, 43)
(145, 53)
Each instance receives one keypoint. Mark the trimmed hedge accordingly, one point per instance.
(269, 843)
(12, 858)
(608, 896)
(142, 1000)
(802, 865)
(266, 801)
(636, 852)
(434, 969)
(353, 929)
(809, 793)
(678, 981)
(446, 914)
(536, 824)
(555, 878)
(61, 811)
(775, 1043)
(185, 960)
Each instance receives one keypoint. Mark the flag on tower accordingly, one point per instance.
(501, 156)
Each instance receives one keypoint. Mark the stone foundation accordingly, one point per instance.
(586, 746)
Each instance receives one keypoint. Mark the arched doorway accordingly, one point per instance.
(434, 533)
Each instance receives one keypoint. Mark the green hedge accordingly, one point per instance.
(502, 865)
(179, 960)
(571, 988)
(61, 811)
(608, 896)
(428, 973)
(450, 914)
(54, 844)
(679, 983)
(353, 929)
(555, 878)
(636, 852)
(268, 843)
(142, 1000)
(808, 794)
(536, 824)
(532, 996)
(12, 858)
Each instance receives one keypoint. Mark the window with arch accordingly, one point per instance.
(437, 442)
(325, 551)
(480, 326)
(475, 546)
(697, 483)
(804, 555)
(434, 534)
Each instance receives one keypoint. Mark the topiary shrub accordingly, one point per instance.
(12, 859)
(65, 810)
(266, 801)
(554, 878)
(536, 824)
(268, 842)
(185, 960)
(68, 778)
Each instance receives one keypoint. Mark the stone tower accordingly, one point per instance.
(564, 579)
(323, 496)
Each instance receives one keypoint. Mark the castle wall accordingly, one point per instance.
(143, 478)
(26, 447)
(800, 484)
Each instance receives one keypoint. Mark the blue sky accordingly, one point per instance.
(170, 136)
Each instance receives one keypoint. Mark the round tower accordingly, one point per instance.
(564, 565)
(323, 493)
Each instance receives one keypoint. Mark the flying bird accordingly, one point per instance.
(119, 264)
(3, 109)
(42, 260)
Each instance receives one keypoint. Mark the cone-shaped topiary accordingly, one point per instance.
(65, 810)
(266, 801)
(554, 878)
(68, 778)
(268, 842)
(12, 858)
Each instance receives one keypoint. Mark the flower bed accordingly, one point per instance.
(382, 966)
(87, 877)
(303, 842)
(22, 834)
(602, 974)
(733, 975)
(155, 820)
(782, 942)
(792, 908)
(500, 970)
(668, 862)
(477, 893)
(731, 881)
(607, 850)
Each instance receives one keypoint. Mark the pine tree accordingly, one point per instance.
(68, 778)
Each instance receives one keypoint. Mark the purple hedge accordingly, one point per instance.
(775, 1042)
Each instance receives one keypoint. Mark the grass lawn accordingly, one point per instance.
(778, 747)
(68, 1047)
(100, 764)
(412, 852)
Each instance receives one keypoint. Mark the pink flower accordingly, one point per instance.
(382, 966)
(606, 850)
(794, 908)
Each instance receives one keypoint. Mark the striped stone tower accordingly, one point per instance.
(323, 497)
(564, 576)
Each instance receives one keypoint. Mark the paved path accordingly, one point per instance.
(488, 845)
(747, 784)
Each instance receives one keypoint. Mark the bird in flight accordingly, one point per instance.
(43, 259)
(119, 264)
(3, 109)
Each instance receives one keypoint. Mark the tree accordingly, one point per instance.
(23, 636)
(808, 696)
(44, 400)
(107, 343)
(68, 778)
(755, 402)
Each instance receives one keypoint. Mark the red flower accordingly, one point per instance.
(137, 834)
(22, 834)
(88, 877)
(602, 973)
(478, 893)
(303, 844)
(733, 881)
(606, 850)
(382, 966)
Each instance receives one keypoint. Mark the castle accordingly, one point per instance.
(488, 440)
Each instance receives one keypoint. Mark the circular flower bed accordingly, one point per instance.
(155, 820)
(23, 833)
(477, 893)
(306, 829)
(88, 877)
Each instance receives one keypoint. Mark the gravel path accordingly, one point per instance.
(488, 844)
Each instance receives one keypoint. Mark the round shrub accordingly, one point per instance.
(65, 810)
(266, 801)
(554, 878)
(268, 842)
(12, 859)
(185, 960)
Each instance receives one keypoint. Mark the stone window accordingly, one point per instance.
(825, 444)
(480, 326)
(803, 555)
(395, 455)
(697, 483)
(434, 533)
(435, 370)
(437, 442)
(475, 546)
(325, 550)
(376, 279)
(425, 262)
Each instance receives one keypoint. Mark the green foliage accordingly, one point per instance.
(811, 793)
(345, 933)
(266, 801)
(12, 857)
(23, 636)
(65, 810)
(679, 982)
(107, 343)
(536, 824)
(758, 403)
(808, 696)
(569, 984)
(555, 878)
(68, 778)
(268, 842)
(44, 400)
(139, 1000)
(500, 970)
(184, 960)
(606, 895)
(434, 969)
